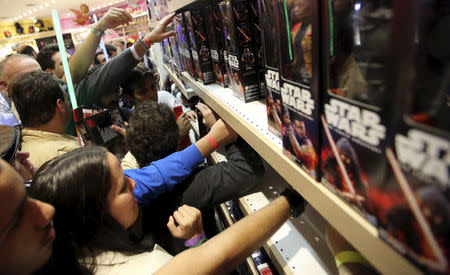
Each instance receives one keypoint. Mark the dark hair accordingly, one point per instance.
(27, 49)
(35, 95)
(136, 79)
(152, 132)
(44, 57)
(77, 184)
(110, 49)
(96, 61)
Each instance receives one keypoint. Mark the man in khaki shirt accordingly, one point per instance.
(45, 112)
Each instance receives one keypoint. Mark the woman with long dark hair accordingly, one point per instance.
(95, 206)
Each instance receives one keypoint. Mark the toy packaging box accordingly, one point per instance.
(257, 45)
(385, 141)
(269, 15)
(183, 46)
(417, 185)
(94, 125)
(201, 56)
(240, 49)
(299, 82)
(216, 39)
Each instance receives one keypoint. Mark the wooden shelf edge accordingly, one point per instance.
(357, 230)
(187, 93)
(273, 253)
(175, 5)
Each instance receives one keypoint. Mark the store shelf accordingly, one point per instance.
(26, 37)
(288, 249)
(250, 121)
(140, 15)
(188, 93)
(175, 5)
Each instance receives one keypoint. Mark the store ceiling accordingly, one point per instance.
(17, 10)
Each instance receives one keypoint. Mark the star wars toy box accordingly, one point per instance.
(240, 49)
(270, 33)
(177, 65)
(216, 39)
(299, 83)
(417, 219)
(94, 125)
(183, 46)
(201, 56)
(257, 45)
(355, 99)
(385, 141)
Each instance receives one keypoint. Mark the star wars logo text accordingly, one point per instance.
(355, 121)
(233, 62)
(194, 55)
(424, 153)
(273, 80)
(297, 98)
(214, 55)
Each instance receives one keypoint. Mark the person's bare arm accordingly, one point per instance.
(158, 34)
(229, 248)
(82, 58)
(221, 132)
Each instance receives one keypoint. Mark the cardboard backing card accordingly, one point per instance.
(299, 53)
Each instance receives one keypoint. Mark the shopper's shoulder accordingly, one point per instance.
(129, 162)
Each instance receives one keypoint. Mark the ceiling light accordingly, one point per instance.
(10, 20)
(104, 5)
(110, 3)
(25, 14)
(53, 1)
(30, 12)
(34, 9)
(41, 7)
(46, 4)
(20, 16)
(15, 18)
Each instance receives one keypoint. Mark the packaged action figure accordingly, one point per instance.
(270, 32)
(240, 48)
(183, 45)
(214, 30)
(199, 46)
(298, 119)
(418, 222)
(386, 138)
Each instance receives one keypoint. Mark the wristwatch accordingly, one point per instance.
(97, 32)
(143, 44)
(296, 202)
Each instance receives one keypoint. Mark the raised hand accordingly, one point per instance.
(159, 33)
(209, 118)
(113, 18)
